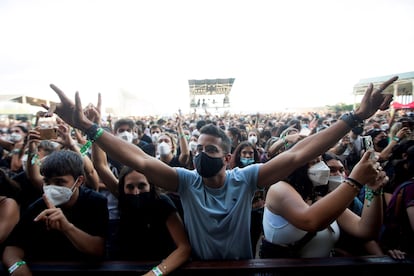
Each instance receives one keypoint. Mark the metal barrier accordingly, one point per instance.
(352, 266)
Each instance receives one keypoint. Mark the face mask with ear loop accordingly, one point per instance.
(58, 195)
(252, 139)
(319, 174)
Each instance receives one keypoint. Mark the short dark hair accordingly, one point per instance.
(213, 130)
(62, 162)
(23, 128)
(200, 124)
(124, 121)
(47, 146)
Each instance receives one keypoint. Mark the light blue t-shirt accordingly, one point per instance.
(218, 220)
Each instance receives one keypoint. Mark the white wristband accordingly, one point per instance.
(15, 266)
(156, 271)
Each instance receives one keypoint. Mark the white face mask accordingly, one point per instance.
(193, 145)
(58, 195)
(154, 137)
(164, 149)
(126, 135)
(319, 174)
(15, 137)
(334, 181)
(253, 139)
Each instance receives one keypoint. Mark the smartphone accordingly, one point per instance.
(368, 145)
(305, 131)
(407, 124)
(48, 133)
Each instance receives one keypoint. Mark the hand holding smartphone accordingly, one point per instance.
(368, 145)
(48, 133)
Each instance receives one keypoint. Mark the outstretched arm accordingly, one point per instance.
(157, 172)
(284, 200)
(99, 158)
(309, 148)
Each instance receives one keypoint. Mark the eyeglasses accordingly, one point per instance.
(209, 149)
(336, 169)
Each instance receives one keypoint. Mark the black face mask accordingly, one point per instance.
(383, 143)
(140, 202)
(207, 166)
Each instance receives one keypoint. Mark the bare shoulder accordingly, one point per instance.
(8, 205)
(278, 190)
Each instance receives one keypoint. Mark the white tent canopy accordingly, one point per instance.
(13, 108)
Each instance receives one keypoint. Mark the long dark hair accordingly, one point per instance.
(155, 193)
(299, 179)
(235, 158)
(8, 187)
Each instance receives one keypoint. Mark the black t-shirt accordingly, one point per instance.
(29, 193)
(144, 235)
(149, 149)
(89, 213)
(146, 138)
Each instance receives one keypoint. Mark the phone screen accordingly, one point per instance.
(48, 133)
(368, 145)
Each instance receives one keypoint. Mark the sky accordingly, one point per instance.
(282, 54)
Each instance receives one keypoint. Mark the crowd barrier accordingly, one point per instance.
(352, 266)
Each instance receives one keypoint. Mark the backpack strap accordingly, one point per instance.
(304, 240)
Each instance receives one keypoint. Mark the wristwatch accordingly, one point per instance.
(352, 120)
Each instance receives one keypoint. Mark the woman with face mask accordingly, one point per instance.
(302, 220)
(244, 155)
(150, 227)
(348, 244)
(15, 146)
(254, 138)
(173, 150)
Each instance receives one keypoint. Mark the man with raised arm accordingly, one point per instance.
(216, 201)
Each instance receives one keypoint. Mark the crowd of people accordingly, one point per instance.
(207, 187)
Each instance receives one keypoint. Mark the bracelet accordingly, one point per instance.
(15, 266)
(285, 142)
(396, 139)
(97, 132)
(84, 149)
(29, 152)
(356, 183)
(370, 193)
(35, 160)
(352, 120)
(352, 185)
(16, 151)
(94, 132)
(156, 271)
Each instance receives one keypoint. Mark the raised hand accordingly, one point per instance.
(374, 99)
(368, 171)
(64, 137)
(70, 112)
(93, 113)
(53, 217)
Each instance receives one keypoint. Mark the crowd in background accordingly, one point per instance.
(156, 229)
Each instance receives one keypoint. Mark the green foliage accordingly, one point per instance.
(340, 107)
